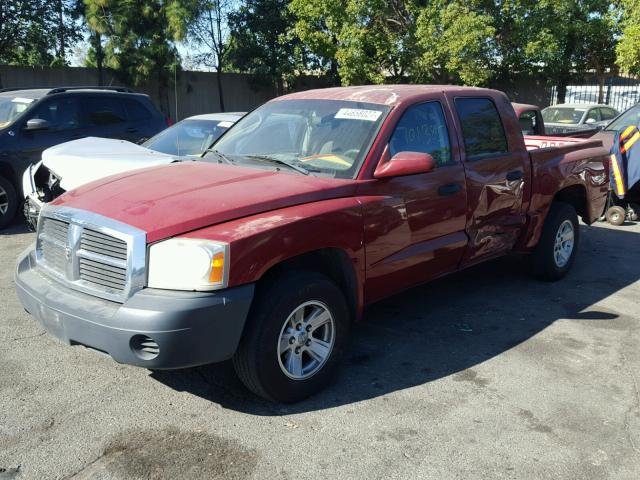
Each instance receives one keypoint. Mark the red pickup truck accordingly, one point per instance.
(314, 205)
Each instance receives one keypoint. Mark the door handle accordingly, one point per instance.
(450, 189)
(515, 175)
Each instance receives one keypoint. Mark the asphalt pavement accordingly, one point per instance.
(485, 374)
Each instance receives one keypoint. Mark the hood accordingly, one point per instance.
(173, 199)
(606, 136)
(88, 159)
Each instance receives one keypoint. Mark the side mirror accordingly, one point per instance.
(405, 163)
(36, 124)
(590, 120)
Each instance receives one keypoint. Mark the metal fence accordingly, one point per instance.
(617, 92)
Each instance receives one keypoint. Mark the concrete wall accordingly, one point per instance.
(197, 92)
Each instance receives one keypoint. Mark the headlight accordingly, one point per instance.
(188, 264)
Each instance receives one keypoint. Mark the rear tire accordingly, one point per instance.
(294, 337)
(616, 216)
(555, 253)
(8, 202)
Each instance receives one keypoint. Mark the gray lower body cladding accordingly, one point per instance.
(156, 329)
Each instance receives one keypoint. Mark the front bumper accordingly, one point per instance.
(189, 328)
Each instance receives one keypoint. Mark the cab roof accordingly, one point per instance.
(390, 95)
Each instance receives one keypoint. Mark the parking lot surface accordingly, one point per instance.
(483, 374)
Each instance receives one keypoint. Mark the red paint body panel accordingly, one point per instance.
(396, 232)
(180, 197)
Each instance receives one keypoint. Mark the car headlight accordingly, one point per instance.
(188, 264)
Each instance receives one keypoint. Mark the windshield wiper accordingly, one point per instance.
(292, 166)
(220, 155)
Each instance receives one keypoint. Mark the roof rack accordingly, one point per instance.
(90, 87)
(53, 90)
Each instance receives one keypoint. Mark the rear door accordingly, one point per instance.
(417, 232)
(106, 116)
(496, 165)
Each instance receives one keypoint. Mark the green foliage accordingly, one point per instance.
(139, 36)
(37, 32)
(472, 41)
(628, 49)
(260, 40)
(455, 44)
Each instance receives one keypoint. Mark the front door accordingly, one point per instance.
(495, 178)
(64, 122)
(414, 225)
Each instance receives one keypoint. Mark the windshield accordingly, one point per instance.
(188, 137)
(563, 115)
(630, 117)
(325, 137)
(12, 108)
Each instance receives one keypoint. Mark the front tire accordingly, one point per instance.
(8, 202)
(294, 337)
(555, 253)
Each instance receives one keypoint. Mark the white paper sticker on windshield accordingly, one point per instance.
(358, 114)
(225, 124)
(23, 100)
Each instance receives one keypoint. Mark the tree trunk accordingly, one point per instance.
(97, 46)
(601, 87)
(220, 93)
(562, 90)
(61, 53)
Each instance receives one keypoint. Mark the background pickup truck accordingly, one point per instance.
(309, 208)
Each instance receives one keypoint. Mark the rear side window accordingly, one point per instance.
(423, 128)
(105, 110)
(136, 111)
(528, 122)
(481, 128)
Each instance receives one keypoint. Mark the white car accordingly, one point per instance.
(73, 164)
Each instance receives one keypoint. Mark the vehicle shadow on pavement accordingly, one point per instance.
(15, 228)
(447, 326)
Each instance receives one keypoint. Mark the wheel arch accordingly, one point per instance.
(334, 263)
(576, 196)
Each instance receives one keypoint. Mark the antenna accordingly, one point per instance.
(175, 94)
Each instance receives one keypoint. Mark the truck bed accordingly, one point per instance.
(535, 142)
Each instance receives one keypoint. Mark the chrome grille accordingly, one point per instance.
(91, 253)
(102, 274)
(54, 234)
(96, 242)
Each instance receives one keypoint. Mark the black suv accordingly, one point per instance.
(32, 120)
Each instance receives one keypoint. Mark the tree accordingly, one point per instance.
(627, 50)
(209, 29)
(455, 44)
(384, 41)
(261, 42)
(139, 38)
(36, 32)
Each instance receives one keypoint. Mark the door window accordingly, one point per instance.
(607, 113)
(593, 116)
(105, 110)
(423, 128)
(481, 128)
(61, 113)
